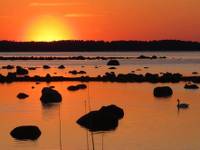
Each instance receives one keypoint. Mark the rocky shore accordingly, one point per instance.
(107, 77)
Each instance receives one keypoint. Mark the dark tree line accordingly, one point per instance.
(93, 46)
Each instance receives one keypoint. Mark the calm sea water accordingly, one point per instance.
(149, 123)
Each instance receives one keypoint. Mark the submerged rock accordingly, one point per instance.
(72, 88)
(112, 68)
(194, 72)
(21, 71)
(75, 72)
(32, 68)
(77, 87)
(104, 119)
(22, 95)
(46, 67)
(113, 62)
(50, 95)
(164, 91)
(61, 67)
(191, 86)
(26, 133)
(8, 67)
(151, 57)
(81, 86)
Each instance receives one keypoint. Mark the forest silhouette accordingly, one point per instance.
(104, 46)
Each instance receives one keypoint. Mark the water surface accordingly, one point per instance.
(149, 123)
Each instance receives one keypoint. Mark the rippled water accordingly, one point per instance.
(149, 123)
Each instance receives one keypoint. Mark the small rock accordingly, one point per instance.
(191, 86)
(77, 87)
(61, 67)
(46, 67)
(112, 68)
(195, 72)
(21, 71)
(8, 67)
(32, 68)
(26, 133)
(50, 95)
(113, 62)
(164, 91)
(22, 95)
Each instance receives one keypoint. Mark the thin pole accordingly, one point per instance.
(89, 106)
(60, 131)
(102, 138)
(92, 135)
(87, 141)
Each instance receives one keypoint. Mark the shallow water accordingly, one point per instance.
(149, 123)
(182, 62)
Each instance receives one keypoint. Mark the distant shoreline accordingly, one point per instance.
(100, 46)
(78, 57)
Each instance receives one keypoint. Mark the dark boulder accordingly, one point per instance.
(32, 68)
(113, 62)
(143, 57)
(164, 91)
(81, 86)
(154, 57)
(48, 77)
(26, 133)
(72, 88)
(77, 87)
(8, 67)
(112, 68)
(22, 95)
(114, 110)
(21, 71)
(75, 72)
(104, 119)
(46, 67)
(194, 72)
(82, 72)
(191, 86)
(61, 67)
(50, 95)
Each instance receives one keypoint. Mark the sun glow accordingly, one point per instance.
(48, 29)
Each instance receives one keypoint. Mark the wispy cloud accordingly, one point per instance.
(38, 4)
(81, 15)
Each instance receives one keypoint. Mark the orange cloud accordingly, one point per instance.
(80, 15)
(38, 4)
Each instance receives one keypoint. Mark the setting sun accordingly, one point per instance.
(48, 29)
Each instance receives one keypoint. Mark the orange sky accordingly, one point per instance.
(99, 19)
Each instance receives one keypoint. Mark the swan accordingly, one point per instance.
(182, 105)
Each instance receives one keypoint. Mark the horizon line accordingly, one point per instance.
(131, 40)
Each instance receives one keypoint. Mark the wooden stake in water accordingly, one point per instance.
(89, 107)
(87, 141)
(60, 131)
